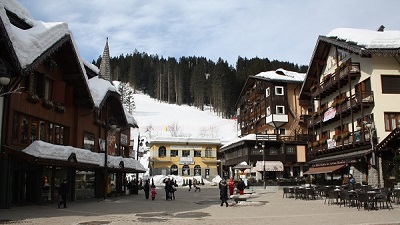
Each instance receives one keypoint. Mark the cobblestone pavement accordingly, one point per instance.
(264, 207)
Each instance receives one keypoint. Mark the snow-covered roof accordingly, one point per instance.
(249, 137)
(31, 43)
(46, 150)
(282, 75)
(99, 88)
(369, 39)
(161, 139)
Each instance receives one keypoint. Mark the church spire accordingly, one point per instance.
(105, 68)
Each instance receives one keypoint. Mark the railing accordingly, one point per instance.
(341, 141)
(330, 82)
(354, 102)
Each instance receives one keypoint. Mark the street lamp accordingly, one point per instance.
(370, 127)
(263, 154)
(111, 125)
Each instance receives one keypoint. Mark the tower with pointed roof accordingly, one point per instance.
(105, 68)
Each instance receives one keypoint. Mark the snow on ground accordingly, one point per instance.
(154, 119)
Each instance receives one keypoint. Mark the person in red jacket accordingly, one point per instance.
(231, 185)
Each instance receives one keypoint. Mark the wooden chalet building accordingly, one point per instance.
(353, 86)
(53, 127)
(268, 113)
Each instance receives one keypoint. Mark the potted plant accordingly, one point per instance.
(48, 104)
(316, 143)
(322, 141)
(345, 134)
(33, 98)
(337, 137)
(59, 108)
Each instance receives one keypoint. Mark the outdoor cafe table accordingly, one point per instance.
(373, 195)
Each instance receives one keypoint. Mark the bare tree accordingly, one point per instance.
(174, 129)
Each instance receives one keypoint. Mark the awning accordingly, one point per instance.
(242, 166)
(324, 169)
(269, 165)
(346, 157)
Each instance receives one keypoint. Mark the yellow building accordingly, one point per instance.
(184, 156)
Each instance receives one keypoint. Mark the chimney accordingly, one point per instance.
(381, 28)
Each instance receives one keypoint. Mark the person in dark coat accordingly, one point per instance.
(190, 184)
(168, 189)
(241, 186)
(223, 192)
(146, 189)
(63, 192)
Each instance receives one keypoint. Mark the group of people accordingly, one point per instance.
(149, 189)
(170, 188)
(194, 183)
(224, 186)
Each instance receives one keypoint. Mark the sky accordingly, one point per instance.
(282, 30)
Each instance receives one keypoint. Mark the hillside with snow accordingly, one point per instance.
(156, 118)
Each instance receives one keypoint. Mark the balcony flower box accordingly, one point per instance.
(342, 99)
(48, 104)
(345, 134)
(337, 137)
(316, 143)
(59, 108)
(322, 141)
(33, 98)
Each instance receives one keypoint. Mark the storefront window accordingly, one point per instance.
(88, 141)
(84, 184)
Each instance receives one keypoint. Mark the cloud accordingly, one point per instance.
(282, 30)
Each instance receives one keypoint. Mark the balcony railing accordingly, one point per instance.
(331, 81)
(340, 142)
(353, 103)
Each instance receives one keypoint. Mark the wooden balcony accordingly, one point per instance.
(346, 141)
(354, 103)
(340, 78)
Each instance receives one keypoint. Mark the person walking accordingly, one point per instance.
(153, 192)
(223, 192)
(195, 186)
(146, 188)
(190, 184)
(231, 185)
(241, 186)
(63, 192)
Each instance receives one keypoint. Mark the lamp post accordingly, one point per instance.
(111, 125)
(263, 157)
(370, 126)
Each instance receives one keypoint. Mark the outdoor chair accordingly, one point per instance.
(365, 201)
(286, 192)
(310, 193)
(333, 197)
(383, 199)
(344, 198)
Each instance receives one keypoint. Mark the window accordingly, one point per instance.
(197, 170)
(208, 152)
(281, 131)
(36, 84)
(174, 170)
(48, 88)
(185, 170)
(390, 84)
(185, 153)
(162, 151)
(279, 90)
(29, 129)
(174, 153)
(88, 141)
(268, 110)
(267, 92)
(290, 150)
(197, 153)
(280, 109)
(273, 151)
(391, 121)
